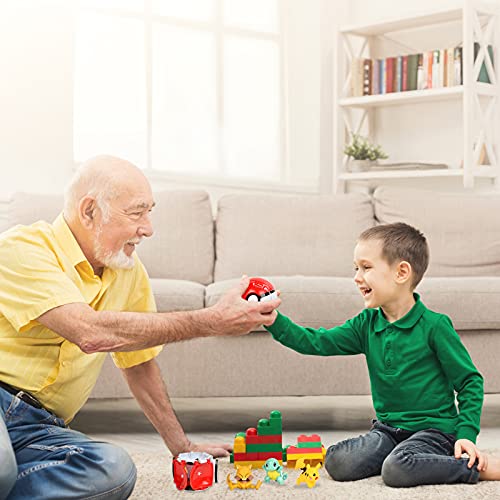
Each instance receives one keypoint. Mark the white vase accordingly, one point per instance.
(361, 165)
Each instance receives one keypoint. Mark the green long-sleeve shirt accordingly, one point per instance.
(415, 365)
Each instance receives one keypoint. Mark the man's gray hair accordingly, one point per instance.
(89, 180)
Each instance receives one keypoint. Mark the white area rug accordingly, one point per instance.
(155, 482)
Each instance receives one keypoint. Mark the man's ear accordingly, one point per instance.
(87, 211)
(403, 272)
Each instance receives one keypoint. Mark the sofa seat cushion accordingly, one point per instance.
(177, 295)
(309, 301)
(471, 303)
(463, 229)
(288, 235)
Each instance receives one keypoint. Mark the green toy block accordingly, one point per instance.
(263, 447)
(271, 426)
(231, 458)
(312, 444)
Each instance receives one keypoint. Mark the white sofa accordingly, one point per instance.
(304, 245)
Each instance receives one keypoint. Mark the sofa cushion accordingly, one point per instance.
(309, 301)
(26, 208)
(471, 303)
(182, 246)
(289, 235)
(463, 230)
(177, 295)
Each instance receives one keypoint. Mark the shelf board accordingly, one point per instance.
(483, 171)
(407, 97)
(405, 23)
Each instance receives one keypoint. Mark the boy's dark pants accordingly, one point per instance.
(403, 458)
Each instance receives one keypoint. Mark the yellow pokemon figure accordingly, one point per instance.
(309, 475)
(243, 478)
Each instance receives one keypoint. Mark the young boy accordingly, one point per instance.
(415, 360)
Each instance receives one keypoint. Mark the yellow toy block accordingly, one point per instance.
(239, 445)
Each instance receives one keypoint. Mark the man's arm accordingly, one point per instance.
(146, 383)
(110, 331)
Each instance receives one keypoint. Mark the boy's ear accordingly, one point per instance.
(403, 272)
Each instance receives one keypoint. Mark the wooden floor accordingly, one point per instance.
(218, 419)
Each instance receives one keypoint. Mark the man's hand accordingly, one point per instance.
(217, 450)
(466, 446)
(236, 316)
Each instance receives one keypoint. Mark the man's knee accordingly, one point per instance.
(8, 472)
(396, 471)
(118, 473)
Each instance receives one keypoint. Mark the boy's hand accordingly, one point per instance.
(466, 446)
(233, 315)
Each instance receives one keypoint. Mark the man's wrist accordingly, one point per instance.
(209, 322)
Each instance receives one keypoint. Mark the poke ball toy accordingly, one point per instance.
(194, 471)
(259, 290)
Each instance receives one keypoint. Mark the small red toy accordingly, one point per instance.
(259, 289)
(194, 471)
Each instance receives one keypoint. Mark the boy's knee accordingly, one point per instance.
(8, 472)
(338, 464)
(396, 471)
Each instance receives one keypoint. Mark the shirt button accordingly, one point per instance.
(388, 362)
(389, 330)
(388, 345)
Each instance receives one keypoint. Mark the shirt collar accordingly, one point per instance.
(72, 249)
(66, 240)
(409, 320)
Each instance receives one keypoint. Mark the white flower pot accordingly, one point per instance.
(360, 165)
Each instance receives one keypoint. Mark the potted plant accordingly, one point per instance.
(362, 154)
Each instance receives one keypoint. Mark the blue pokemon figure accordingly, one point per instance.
(274, 471)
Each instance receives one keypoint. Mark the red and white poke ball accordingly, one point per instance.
(194, 470)
(260, 290)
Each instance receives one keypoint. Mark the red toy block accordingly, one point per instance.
(291, 450)
(273, 438)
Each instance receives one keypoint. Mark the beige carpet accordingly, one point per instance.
(155, 482)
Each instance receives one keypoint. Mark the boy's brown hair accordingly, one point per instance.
(401, 241)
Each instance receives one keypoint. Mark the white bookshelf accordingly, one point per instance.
(479, 102)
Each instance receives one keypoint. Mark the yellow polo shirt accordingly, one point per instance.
(42, 267)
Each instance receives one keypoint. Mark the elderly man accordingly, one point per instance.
(70, 292)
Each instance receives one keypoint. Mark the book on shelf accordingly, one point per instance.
(457, 64)
(420, 71)
(367, 77)
(412, 72)
(427, 70)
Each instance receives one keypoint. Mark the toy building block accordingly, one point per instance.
(257, 445)
(309, 449)
(271, 426)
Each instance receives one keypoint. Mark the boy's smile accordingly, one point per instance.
(378, 281)
(374, 275)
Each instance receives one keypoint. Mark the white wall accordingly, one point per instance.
(35, 95)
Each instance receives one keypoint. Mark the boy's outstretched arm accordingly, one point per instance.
(340, 340)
